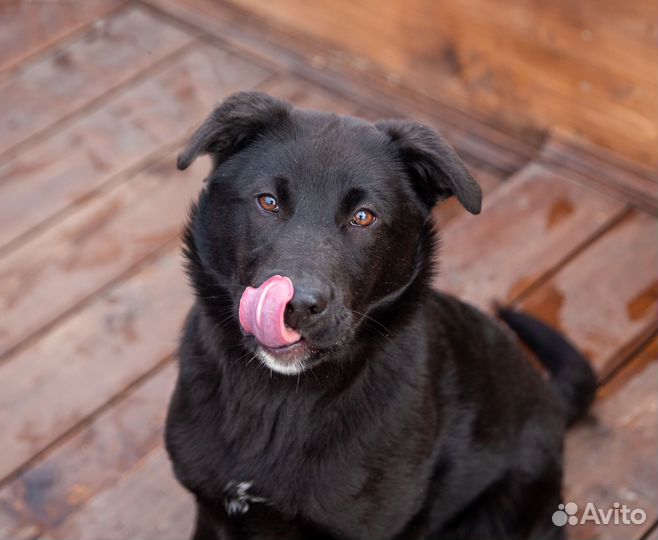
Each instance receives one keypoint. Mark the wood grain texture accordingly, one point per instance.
(116, 50)
(90, 461)
(528, 226)
(621, 178)
(611, 455)
(605, 300)
(90, 358)
(530, 64)
(475, 140)
(146, 503)
(28, 28)
(66, 264)
(66, 168)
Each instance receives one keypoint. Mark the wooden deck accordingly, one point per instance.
(95, 100)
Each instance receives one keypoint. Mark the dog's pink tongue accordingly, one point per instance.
(262, 310)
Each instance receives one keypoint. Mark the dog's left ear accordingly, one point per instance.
(233, 125)
(433, 166)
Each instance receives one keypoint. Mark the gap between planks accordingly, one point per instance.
(628, 356)
(652, 533)
(132, 270)
(106, 187)
(51, 46)
(88, 419)
(96, 103)
(150, 158)
(526, 292)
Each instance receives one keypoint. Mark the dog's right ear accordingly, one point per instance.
(233, 125)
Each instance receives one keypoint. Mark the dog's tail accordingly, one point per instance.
(571, 374)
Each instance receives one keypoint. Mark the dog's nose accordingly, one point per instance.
(307, 303)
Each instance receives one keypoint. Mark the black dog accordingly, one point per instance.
(394, 411)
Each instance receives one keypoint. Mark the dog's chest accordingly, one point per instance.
(346, 496)
(293, 464)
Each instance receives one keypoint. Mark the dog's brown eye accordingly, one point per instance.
(363, 218)
(268, 202)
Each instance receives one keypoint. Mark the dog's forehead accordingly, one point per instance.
(341, 151)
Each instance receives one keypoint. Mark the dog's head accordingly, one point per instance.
(335, 206)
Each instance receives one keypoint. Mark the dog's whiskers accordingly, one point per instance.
(371, 319)
(316, 377)
(251, 359)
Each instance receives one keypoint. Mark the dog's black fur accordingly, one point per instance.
(416, 416)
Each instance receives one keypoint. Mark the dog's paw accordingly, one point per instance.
(237, 498)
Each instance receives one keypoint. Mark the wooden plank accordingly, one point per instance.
(88, 462)
(310, 96)
(89, 358)
(653, 535)
(526, 66)
(113, 52)
(322, 23)
(620, 178)
(148, 503)
(66, 264)
(70, 165)
(27, 28)
(605, 298)
(530, 224)
(611, 456)
(474, 139)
